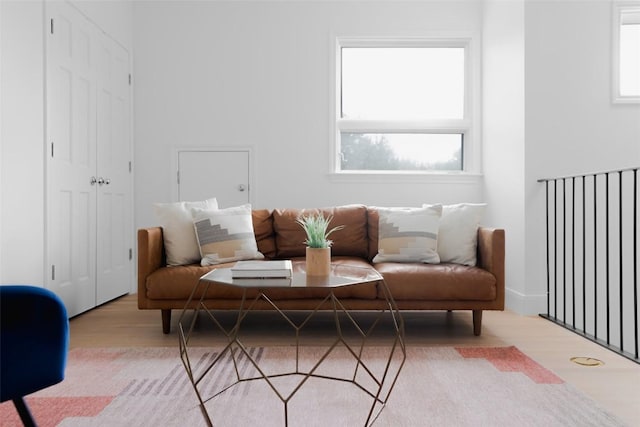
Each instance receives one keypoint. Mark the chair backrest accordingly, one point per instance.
(34, 340)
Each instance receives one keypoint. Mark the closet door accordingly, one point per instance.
(71, 157)
(89, 228)
(114, 173)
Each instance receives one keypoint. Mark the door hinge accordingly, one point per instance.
(129, 166)
(130, 254)
(52, 150)
(51, 25)
(178, 177)
(53, 272)
(129, 79)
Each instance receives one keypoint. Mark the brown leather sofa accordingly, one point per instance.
(414, 286)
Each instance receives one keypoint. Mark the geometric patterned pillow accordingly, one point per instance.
(225, 235)
(408, 234)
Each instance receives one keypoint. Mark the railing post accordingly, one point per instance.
(573, 251)
(564, 251)
(595, 256)
(635, 259)
(584, 254)
(606, 244)
(547, 239)
(555, 248)
(621, 248)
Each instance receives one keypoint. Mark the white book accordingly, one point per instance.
(253, 269)
(263, 282)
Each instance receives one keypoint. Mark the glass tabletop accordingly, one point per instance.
(340, 275)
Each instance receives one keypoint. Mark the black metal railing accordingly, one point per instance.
(592, 257)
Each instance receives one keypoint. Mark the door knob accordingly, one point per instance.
(241, 187)
(100, 181)
(107, 181)
(93, 180)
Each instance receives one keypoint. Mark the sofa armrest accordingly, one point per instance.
(150, 258)
(491, 252)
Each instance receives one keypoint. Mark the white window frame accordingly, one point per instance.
(468, 126)
(618, 7)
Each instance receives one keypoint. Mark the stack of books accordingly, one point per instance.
(273, 269)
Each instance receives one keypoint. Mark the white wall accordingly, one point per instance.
(22, 145)
(1, 115)
(504, 136)
(571, 124)
(259, 74)
(547, 112)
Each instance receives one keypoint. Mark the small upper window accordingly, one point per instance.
(402, 105)
(626, 38)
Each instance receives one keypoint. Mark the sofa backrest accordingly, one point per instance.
(372, 230)
(263, 229)
(350, 241)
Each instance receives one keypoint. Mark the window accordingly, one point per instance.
(626, 62)
(403, 106)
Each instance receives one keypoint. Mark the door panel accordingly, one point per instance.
(114, 152)
(220, 174)
(71, 158)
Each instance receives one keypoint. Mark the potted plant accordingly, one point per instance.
(318, 252)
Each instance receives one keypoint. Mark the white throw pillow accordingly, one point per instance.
(408, 234)
(458, 235)
(180, 242)
(225, 235)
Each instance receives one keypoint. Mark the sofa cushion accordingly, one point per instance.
(441, 282)
(263, 229)
(177, 283)
(225, 235)
(373, 220)
(408, 234)
(349, 241)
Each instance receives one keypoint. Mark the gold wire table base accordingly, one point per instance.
(235, 348)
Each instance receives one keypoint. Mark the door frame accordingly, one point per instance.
(174, 168)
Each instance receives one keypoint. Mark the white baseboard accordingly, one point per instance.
(525, 304)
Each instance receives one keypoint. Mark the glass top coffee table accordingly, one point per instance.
(377, 383)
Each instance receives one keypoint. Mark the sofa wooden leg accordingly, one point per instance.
(166, 320)
(477, 322)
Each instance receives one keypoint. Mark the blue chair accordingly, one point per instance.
(34, 340)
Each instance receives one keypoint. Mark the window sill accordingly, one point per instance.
(626, 100)
(462, 178)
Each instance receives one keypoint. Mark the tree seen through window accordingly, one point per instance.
(394, 152)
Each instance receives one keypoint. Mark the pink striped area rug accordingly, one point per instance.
(438, 386)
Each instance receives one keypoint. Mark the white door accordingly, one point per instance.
(209, 173)
(71, 139)
(89, 180)
(113, 173)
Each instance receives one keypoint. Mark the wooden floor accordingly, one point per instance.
(615, 386)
